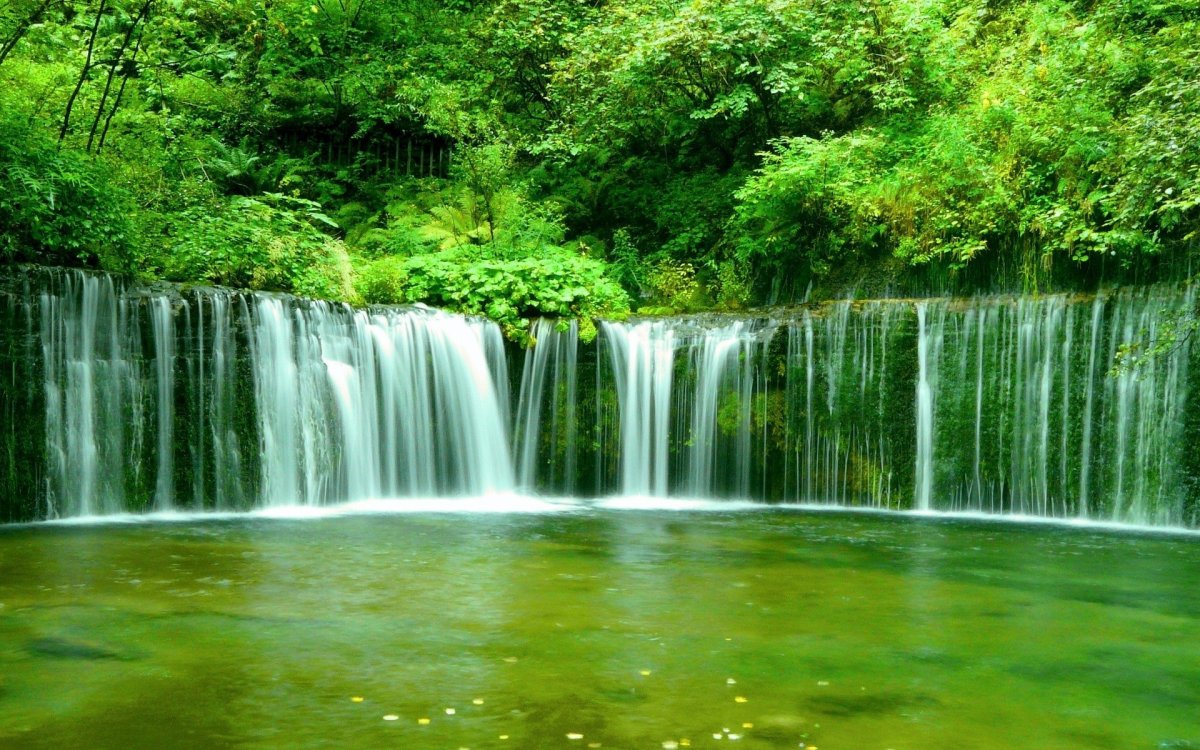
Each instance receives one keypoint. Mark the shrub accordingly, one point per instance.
(267, 242)
(58, 206)
(552, 283)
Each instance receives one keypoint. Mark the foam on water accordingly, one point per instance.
(1018, 519)
(120, 519)
(653, 502)
(496, 504)
(518, 504)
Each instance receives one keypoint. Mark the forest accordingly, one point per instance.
(593, 158)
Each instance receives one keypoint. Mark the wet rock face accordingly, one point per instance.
(22, 437)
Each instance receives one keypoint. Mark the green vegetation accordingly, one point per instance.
(516, 158)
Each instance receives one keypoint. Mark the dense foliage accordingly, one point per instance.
(517, 158)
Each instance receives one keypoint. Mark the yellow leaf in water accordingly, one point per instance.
(357, 699)
(740, 699)
(574, 736)
(478, 701)
(391, 717)
(747, 725)
(510, 659)
(504, 736)
(685, 743)
(645, 673)
(450, 712)
(423, 721)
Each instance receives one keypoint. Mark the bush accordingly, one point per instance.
(58, 206)
(554, 282)
(267, 242)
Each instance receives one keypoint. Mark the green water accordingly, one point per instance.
(630, 628)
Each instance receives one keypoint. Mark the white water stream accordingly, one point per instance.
(230, 401)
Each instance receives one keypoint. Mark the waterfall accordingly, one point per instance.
(699, 407)
(843, 401)
(643, 358)
(1085, 447)
(728, 366)
(929, 338)
(548, 379)
(216, 450)
(355, 405)
(92, 375)
(1054, 432)
(263, 400)
(277, 383)
(131, 399)
(164, 375)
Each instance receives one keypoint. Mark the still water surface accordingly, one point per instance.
(634, 629)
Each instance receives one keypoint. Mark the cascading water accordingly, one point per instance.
(259, 400)
(643, 358)
(994, 404)
(686, 422)
(133, 399)
(729, 363)
(1053, 433)
(547, 408)
(847, 386)
(93, 379)
(164, 375)
(357, 405)
(929, 340)
(211, 354)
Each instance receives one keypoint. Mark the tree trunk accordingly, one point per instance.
(120, 94)
(112, 72)
(22, 27)
(83, 73)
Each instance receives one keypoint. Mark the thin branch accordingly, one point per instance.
(22, 27)
(112, 71)
(83, 73)
(120, 93)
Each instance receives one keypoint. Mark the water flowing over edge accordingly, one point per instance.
(221, 401)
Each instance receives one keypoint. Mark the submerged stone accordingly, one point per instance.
(62, 648)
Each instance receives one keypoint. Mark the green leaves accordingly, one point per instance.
(1060, 146)
(268, 242)
(58, 206)
(551, 282)
(759, 143)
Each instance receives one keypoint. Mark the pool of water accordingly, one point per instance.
(598, 628)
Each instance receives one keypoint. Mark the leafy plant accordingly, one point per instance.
(56, 205)
(554, 283)
(269, 241)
